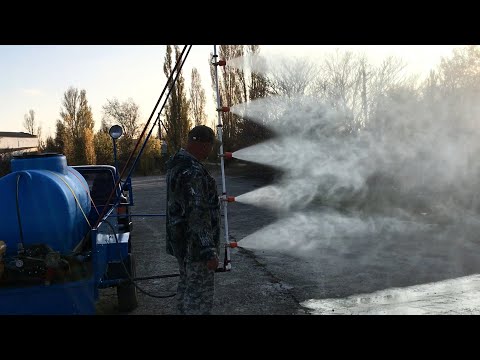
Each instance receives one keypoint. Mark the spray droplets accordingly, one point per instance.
(408, 157)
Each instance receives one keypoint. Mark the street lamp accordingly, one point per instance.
(164, 148)
(115, 132)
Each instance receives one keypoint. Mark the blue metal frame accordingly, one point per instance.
(71, 298)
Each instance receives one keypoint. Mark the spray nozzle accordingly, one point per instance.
(224, 109)
(220, 63)
(232, 244)
(228, 198)
(227, 155)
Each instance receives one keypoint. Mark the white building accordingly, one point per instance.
(17, 142)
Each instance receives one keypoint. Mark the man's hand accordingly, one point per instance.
(212, 264)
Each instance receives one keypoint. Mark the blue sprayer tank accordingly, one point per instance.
(52, 201)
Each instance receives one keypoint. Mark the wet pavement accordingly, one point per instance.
(459, 296)
(434, 271)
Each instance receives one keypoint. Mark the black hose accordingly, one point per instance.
(130, 279)
(155, 277)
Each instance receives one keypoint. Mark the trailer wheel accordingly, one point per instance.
(127, 293)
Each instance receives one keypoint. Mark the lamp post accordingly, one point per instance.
(115, 132)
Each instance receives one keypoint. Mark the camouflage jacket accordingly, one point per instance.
(193, 209)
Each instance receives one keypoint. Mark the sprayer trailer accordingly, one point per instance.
(56, 250)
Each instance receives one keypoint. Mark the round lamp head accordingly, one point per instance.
(115, 131)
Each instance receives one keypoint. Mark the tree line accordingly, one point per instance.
(345, 80)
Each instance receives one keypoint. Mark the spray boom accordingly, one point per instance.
(227, 266)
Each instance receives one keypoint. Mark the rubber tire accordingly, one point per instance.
(127, 293)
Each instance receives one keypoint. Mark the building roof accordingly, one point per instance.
(16, 134)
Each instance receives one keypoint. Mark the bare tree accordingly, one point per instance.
(29, 122)
(31, 126)
(197, 99)
(126, 114)
(459, 85)
(389, 74)
(462, 69)
(342, 83)
(253, 132)
(259, 85)
(41, 143)
(387, 79)
(293, 76)
(349, 83)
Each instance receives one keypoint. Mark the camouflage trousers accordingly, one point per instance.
(195, 288)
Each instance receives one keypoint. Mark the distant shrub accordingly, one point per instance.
(5, 164)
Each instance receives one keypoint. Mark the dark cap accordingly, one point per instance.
(202, 133)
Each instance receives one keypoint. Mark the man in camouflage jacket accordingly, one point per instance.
(193, 222)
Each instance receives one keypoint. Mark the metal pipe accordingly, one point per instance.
(227, 263)
(115, 158)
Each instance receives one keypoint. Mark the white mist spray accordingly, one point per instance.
(412, 164)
